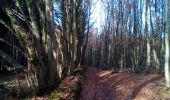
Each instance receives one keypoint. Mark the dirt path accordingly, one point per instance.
(102, 85)
(94, 88)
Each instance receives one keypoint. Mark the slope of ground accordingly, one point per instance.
(103, 85)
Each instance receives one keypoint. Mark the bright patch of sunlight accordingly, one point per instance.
(104, 73)
(97, 14)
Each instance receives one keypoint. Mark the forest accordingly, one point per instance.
(56, 50)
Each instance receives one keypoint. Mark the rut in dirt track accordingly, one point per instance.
(94, 88)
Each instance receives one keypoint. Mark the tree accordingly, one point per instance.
(32, 23)
(167, 28)
(75, 23)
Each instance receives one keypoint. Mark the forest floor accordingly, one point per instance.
(105, 85)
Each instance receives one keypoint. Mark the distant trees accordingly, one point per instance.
(132, 36)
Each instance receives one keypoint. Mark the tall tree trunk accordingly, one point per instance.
(148, 52)
(167, 55)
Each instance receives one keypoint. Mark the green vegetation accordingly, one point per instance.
(69, 88)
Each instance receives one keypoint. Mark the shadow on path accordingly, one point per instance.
(103, 85)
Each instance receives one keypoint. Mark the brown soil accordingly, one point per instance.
(103, 85)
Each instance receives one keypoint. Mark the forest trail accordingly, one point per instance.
(94, 88)
(103, 85)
